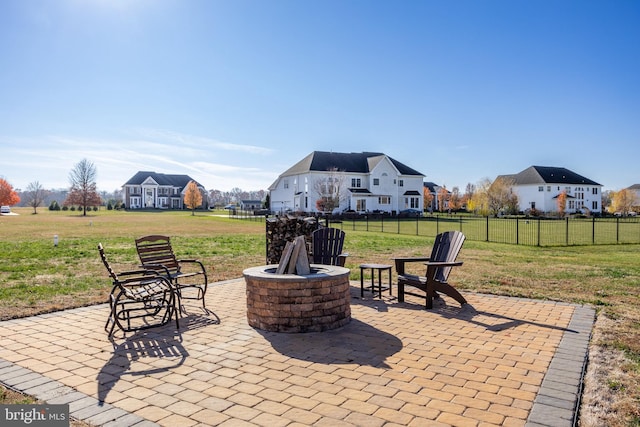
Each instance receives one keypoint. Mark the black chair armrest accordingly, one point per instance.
(157, 267)
(400, 262)
(443, 264)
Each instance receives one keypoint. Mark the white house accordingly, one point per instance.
(538, 188)
(158, 190)
(363, 182)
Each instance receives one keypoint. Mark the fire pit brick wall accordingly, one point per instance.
(293, 303)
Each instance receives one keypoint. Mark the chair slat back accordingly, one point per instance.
(156, 250)
(327, 245)
(446, 249)
(103, 256)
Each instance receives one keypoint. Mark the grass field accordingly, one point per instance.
(37, 277)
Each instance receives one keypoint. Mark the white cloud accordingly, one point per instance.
(215, 164)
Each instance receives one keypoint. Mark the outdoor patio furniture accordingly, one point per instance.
(187, 275)
(327, 246)
(443, 258)
(373, 267)
(139, 299)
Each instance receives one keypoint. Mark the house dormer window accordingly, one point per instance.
(356, 182)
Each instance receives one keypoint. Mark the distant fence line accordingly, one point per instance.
(515, 231)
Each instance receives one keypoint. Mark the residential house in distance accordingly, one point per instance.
(250, 205)
(151, 190)
(538, 188)
(362, 182)
(434, 189)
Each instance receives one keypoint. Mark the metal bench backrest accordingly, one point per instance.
(156, 250)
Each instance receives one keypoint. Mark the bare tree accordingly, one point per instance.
(35, 195)
(192, 197)
(83, 186)
(331, 190)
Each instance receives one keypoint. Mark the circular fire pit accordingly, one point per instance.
(316, 302)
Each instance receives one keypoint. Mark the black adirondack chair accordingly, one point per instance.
(327, 246)
(443, 258)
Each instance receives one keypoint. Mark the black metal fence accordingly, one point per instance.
(517, 231)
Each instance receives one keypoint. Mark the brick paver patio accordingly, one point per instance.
(497, 361)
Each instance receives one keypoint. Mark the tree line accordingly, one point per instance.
(83, 194)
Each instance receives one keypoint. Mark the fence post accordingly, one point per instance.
(417, 224)
(617, 229)
(487, 228)
(517, 231)
(566, 233)
(593, 230)
(382, 222)
(538, 231)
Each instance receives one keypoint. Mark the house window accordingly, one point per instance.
(594, 206)
(286, 183)
(594, 190)
(548, 188)
(355, 182)
(411, 202)
(361, 205)
(384, 200)
(401, 183)
(376, 181)
(541, 188)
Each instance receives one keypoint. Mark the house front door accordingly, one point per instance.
(148, 198)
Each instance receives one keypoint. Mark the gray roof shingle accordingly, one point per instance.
(549, 175)
(345, 162)
(179, 181)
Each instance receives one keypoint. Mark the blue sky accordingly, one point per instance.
(234, 92)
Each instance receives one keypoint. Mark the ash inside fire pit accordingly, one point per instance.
(314, 302)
